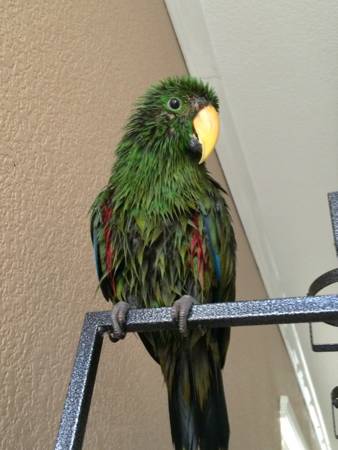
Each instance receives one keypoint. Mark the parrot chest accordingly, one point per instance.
(159, 261)
(158, 258)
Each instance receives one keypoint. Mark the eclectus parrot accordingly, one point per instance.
(162, 236)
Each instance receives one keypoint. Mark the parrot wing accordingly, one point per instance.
(221, 246)
(102, 244)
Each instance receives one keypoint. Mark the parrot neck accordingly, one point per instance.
(157, 183)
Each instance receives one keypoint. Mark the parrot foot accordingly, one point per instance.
(180, 312)
(119, 317)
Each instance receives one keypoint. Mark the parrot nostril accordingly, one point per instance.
(199, 103)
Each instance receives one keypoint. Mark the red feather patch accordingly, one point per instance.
(106, 217)
(196, 250)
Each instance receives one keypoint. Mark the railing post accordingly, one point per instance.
(80, 389)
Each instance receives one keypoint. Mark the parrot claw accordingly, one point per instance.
(119, 316)
(180, 312)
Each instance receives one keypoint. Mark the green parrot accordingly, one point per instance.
(162, 236)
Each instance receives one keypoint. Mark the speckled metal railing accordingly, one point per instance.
(253, 312)
(333, 202)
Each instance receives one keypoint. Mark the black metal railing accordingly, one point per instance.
(251, 312)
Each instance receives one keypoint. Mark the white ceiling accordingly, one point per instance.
(275, 68)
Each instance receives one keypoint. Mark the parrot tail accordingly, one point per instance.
(197, 408)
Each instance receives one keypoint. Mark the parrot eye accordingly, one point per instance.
(174, 103)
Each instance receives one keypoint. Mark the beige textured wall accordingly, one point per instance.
(69, 74)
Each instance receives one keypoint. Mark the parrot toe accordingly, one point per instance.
(119, 317)
(180, 312)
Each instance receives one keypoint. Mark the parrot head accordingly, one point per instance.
(178, 116)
